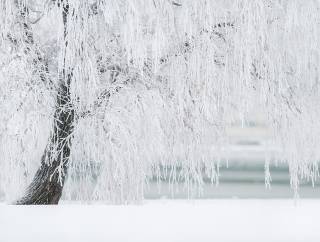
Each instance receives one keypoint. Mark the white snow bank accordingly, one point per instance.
(165, 221)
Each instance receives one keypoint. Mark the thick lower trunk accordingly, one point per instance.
(47, 185)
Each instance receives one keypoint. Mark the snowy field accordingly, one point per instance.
(165, 221)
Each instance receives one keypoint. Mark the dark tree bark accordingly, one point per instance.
(47, 184)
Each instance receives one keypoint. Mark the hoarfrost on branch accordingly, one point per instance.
(153, 84)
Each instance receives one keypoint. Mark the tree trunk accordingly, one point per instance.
(47, 185)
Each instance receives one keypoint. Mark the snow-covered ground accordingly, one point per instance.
(165, 221)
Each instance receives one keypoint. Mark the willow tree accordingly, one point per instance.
(97, 97)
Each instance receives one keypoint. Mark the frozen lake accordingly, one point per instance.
(165, 221)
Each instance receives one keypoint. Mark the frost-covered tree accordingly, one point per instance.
(99, 96)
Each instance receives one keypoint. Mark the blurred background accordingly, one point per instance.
(243, 175)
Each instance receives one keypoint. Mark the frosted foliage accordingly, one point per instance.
(155, 84)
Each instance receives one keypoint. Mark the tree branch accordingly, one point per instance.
(176, 3)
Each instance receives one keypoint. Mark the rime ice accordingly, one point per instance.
(154, 85)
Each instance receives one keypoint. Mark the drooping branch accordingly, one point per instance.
(189, 45)
(115, 70)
